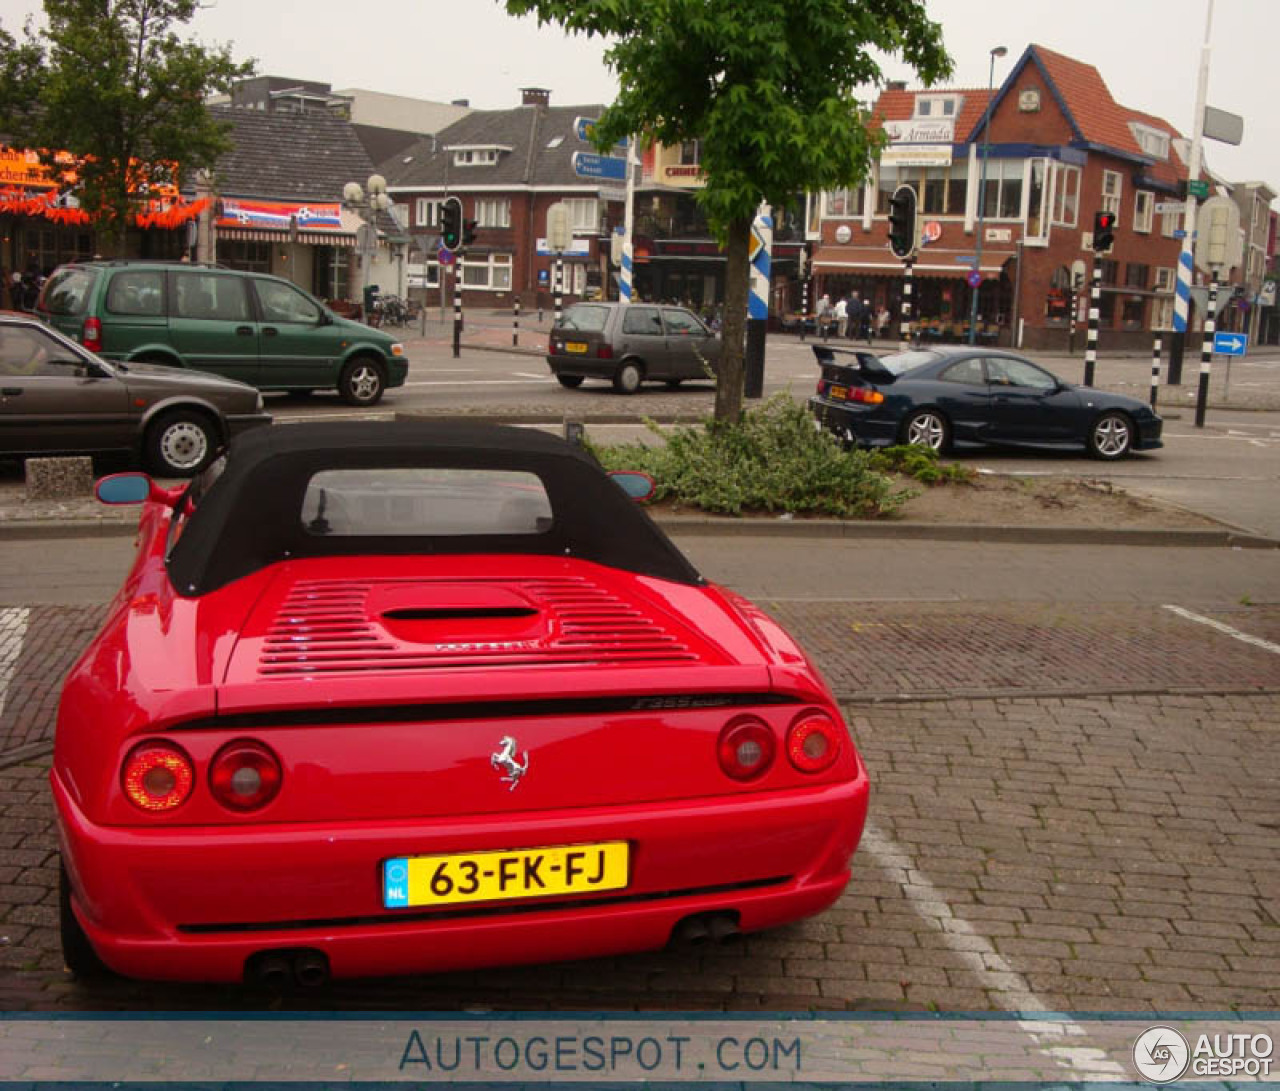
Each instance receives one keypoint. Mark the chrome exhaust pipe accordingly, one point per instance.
(690, 932)
(269, 972)
(724, 929)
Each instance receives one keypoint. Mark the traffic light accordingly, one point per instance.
(902, 222)
(1104, 231)
(469, 232)
(451, 224)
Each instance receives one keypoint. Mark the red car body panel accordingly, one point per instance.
(384, 685)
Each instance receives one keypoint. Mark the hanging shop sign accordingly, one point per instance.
(233, 212)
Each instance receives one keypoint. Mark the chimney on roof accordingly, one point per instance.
(896, 85)
(535, 96)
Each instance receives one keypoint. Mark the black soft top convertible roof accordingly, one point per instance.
(250, 516)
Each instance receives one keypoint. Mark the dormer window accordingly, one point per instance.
(937, 106)
(1153, 142)
(476, 155)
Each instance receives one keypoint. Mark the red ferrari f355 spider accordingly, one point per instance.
(390, 698)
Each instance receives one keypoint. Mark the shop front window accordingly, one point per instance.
(1057, 305)
(1037, 223)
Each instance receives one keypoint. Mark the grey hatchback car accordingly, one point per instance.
(629, 344)
(57, 397)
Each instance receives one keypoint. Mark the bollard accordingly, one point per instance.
(515, 327)
(1155, 369)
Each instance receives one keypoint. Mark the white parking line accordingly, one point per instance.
(1222, 627)
(981, 958)
(13, 630)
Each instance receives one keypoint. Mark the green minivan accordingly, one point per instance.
(253, 327)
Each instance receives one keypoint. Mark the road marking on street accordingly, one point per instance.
(1223, 627)
(981, 958)
(13, 631)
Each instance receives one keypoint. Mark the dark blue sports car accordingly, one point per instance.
(965, 395)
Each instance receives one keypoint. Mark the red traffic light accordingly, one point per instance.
(1104, 227)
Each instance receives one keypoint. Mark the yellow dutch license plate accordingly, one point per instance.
(839, 393)
(575, 346)
(504, 875)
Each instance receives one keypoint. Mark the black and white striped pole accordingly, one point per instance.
(904, 335)
(804, 304)
(559, 286)
(1206, 350)
(515, 326)
(1155, 368)
(457, 306)
(1095, 307)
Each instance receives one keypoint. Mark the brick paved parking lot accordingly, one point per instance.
(1028, 850)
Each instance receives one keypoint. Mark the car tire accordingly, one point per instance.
(181, 443)
(77, 952)
(627, 379)
(927, 428)
(361, 382)
(572, 382)
(1111, 436)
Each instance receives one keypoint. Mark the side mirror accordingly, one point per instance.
(638, 486)
(134, 488)
(131, 488)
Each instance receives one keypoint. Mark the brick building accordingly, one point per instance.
(1058, 148)
(508, 167)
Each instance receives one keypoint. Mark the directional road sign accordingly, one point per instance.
(1230, 344)
(1165, 208)
(583, 127)
(588, 165)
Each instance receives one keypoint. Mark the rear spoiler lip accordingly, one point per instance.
(867, 364)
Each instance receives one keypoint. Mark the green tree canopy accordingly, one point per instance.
(766, 86)
(114, 84)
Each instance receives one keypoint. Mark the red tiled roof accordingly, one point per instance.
(1100, 119)
(900, 106)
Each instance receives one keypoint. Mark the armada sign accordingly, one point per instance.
(921, 131)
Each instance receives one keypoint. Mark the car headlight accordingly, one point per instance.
(397, 349)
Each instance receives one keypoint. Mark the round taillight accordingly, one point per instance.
(157, 776)
(245, 775)
(813, 743)
(746, 749)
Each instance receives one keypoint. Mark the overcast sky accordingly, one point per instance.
(1148, 52)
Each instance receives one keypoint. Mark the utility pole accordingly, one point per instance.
(1182, 298)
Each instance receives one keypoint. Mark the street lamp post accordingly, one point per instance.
(998, 51)
(368, 202)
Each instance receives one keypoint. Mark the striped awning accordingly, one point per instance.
(306, 238)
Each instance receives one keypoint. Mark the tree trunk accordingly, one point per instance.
(737, 282)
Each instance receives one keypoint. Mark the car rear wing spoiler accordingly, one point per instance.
(867, 364)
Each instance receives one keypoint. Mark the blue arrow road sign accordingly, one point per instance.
(1230, 344)
(587, 165)
(582, 126)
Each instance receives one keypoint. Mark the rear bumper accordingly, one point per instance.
(586, 366)
(195, 903)
(864, 425)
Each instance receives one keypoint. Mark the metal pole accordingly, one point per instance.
(457, 307)
(1206, 350)
(1182, 298)
(999, 51)
(625, 288)
(1095, 300)
(1071, 323)
(559, 287)
(1155, 369)
(904, 333)
(515, 326)
(804, 303)
(758, 305)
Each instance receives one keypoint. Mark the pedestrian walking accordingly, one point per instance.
(855, 317)
(824, 316)
(841, 316)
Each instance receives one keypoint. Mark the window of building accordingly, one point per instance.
(935, 106)
(1066, 197)
(1112, 191)
(1037, 194)
(1169, 223)
(1164, 278)
(1144, 206)
(491, 272)
(1152, 142)
(332, 276)
(1002, 197)
(1133, 311)
(847, 203)
(1057, 304)
(427, 211)
(1110, 270)
(252, 257)
(584, 215)
(1136, 275)
(475, 157)
(493, 212)
(690, 153)
(890, 179)
(1162, 314)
